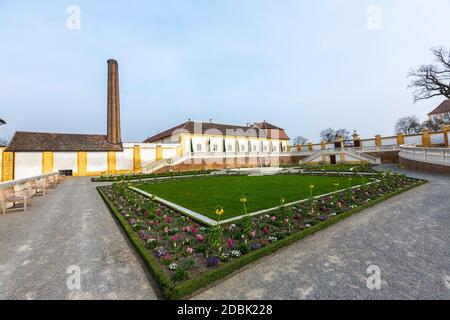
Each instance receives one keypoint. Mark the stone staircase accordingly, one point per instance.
(352, 153)
(154, 166)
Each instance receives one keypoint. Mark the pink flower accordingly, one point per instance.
(168, 219)
(253, 234)
(286, 220)
(274, 218)
(156, 222)
(175, 237)
(230, 243)
(189, 250)
(166, 230)
(194, 230)
(266, 230)
(199, 237)
(158, 211)
(145, 213)
(187, 228)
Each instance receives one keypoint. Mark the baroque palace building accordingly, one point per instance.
(35, 153)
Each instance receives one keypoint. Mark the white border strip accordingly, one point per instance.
(208, 221)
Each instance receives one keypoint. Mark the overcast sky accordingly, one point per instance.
(301, 65)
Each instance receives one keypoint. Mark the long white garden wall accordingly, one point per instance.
(23, 165)
(426, 139)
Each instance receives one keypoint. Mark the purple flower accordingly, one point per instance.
(161, 252)
(213, 261)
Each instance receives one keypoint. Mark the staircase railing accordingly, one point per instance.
(364, 156)
(311, 157)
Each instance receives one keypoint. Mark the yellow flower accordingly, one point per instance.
(282, 201)
(336, 184)
(219, 211)
(311, 186)
(243, 199)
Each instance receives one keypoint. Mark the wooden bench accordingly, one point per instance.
(21, 192)
(39, 186)
(9, 195)
(51, 181)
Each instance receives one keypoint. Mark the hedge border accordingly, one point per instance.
(189, 287)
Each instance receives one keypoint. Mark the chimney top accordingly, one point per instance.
(112, 61)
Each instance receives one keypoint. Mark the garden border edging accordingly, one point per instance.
(190, 287)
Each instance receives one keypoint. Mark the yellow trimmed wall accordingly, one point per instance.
(446, 133)
(7, 166)
(159, 153)
(400, 139)
(82, 163)
(324, 146)
(111, 162)
(426, 139)
(48, 161)
(378, 140)
(137, 158)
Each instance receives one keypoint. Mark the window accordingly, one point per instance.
(230, 148)
(265, 148)
(254, 148)
(215, 148)
(199, 147)
(243, 148)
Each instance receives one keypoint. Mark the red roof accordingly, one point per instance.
(444, 107)
(262, 129)
(43, 141)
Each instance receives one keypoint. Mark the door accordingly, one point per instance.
(333, 159)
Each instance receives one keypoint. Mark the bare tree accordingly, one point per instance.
(432, 80)
(436, 123)
(4, 142)
(344, 133)
(299, 140)
(330, 135)
(408, 125)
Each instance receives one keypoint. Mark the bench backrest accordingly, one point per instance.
(7, 192)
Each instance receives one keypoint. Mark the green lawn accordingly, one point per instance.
(205, 194)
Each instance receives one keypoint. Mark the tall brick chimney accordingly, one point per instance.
(113, 103)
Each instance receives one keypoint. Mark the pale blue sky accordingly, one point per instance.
(302, 65)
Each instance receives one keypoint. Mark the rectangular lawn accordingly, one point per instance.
(203, 195)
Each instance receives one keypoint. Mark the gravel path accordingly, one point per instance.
(69, 227)
(407, 237)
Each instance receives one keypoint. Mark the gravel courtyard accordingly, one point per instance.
(406, 237)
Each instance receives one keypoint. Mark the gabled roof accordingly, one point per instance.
(444, 107)
(2, 121)
(266, 125)
(43, 141)
(257, 130)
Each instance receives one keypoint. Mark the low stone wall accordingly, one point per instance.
(423, 166)
(385, 156)
(231, 163)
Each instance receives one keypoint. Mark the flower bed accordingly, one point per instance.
(185, 256)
